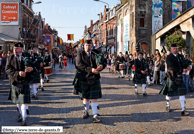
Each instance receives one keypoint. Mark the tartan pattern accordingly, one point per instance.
(130, 71)
(36, 79)
(42, 73)
(76, 85)
(90, 92)
(22, 98)
(139, 81)
(172, 90)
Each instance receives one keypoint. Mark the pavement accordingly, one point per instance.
(122, 112)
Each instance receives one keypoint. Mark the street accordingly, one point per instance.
(121, 110)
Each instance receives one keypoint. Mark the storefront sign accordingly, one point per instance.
(9, 13)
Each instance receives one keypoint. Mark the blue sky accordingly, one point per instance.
(71, 14)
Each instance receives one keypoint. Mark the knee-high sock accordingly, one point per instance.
(148, 79)
(31, 89)
(168, 101)
(86, 105)
(46, 77)
(132, 75)
(24, 113)
(19, 107)
(94, 109)
(182, 101)
(42, 83)
(144, 88)
(122, 73)
(136, 87)
(35, 89)
(119, 73)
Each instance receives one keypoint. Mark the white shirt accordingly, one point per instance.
(88, 53)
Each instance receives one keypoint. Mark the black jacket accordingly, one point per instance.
(47, 60)
(14, 66)
(139, 65)
(130, 62)
(85, 64)
(174, 66)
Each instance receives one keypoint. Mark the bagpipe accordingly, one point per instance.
(100, 59)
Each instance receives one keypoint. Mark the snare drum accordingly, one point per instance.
(48, 70)
(121, 66)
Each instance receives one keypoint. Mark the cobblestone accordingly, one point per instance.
(121, 110)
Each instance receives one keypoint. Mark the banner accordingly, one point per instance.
(176, 8)
(126, 34)
(70, 36)
(119, 38)
(48, 40)
(190, 3)
(61, 41)
(157, 15)
(9, 13)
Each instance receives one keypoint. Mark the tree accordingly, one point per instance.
(175, 38)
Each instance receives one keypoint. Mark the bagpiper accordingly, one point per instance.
(19, 78)
(141, 68)
(174, 85)
(89, 79)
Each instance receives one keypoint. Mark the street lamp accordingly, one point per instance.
(39, 2)
(102, 2)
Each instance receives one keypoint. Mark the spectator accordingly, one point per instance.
(4, 56)
(113, 64)
(157, 71)
(61, 61)
(191, 74)
(162, 70)
(109, 62)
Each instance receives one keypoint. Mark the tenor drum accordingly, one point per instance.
(121, 66)
(48, 70)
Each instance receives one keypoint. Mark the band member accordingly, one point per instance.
(174, 85)
(141, 68)
(147, 60)
(47, 62)
(89, 79)
(19, 78)
(37, 64)
(120, 60)
(130, 64)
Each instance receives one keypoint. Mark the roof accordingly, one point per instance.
(7, 38)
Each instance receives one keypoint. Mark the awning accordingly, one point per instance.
(7, 38)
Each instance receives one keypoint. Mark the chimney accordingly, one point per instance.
(91, 23)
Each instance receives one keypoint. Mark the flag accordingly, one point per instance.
(48, 40)
(82, 41)
(70, 36)
(61, 41)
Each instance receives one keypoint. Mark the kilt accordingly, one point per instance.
(36, 79)
(76, 85)
(90, 92)
(130, 70)
(139, 81)
(22, 98)
(171, 89)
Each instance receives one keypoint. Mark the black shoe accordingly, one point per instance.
(98, 107)
(119, 77)
(154, 82)
(42, 88)
(96, 120)
(168, 109)
(19, 118)
(47, 81)
(86, 115)
(24, 123)
(27, 111)
(123, 77)
(36, 97)
(184, 113)
(136, 92)
(144, 94)
(33, 96)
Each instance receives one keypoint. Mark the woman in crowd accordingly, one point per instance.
(157, 71)
(113, 64)
(109, 63)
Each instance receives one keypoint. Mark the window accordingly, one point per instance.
(27, 2)
(108, 32)
(141, 22)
